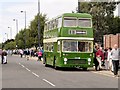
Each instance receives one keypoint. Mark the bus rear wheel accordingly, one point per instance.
(54, 64)
(45, 62)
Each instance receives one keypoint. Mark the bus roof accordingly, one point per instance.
(79, 15)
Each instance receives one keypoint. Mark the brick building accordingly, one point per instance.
(110, 40)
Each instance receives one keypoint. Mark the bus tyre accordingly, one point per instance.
(46, 65)
(54, 65)
(45, 62)
(84, 69)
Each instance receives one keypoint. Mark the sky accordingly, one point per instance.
(10, 9)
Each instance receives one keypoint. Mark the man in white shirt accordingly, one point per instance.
(115, 59)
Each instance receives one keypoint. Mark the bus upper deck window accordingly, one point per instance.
(70, 21)
(85, 22)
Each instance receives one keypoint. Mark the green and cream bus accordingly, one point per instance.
(68, 41)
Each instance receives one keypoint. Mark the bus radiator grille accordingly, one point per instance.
(76, 61)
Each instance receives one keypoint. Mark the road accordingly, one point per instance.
(20, 73)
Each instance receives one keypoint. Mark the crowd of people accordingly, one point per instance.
(32, 53)
(108, 57)
(22, 52)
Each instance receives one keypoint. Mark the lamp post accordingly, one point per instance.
(39, 24)
(16, 31)
(7, 35)
(25, 29)
(16, 25)
(10, 32)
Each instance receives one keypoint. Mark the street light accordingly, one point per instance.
(16, 25)
(16, 30)
(10, 32)
(7, 35)
(25, 27)
(39, 24)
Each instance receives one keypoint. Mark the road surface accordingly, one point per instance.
(20, 73)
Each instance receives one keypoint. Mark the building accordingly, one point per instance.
(110, 40)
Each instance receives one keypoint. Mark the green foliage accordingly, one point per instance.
(103, 18)
(0, 46)
(29, 37)
(10, 45)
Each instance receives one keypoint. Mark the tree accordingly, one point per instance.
(34, 29)
(30, 35)
(0, 45)
(115, 27)
(11, 45)
(103, 15)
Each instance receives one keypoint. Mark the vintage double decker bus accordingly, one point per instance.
(68, 41)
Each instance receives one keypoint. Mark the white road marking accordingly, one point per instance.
(102, 73)
(27, 69)
(35, 74)
(49, 82)
(22, 65)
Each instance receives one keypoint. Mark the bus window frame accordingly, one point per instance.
(59, 20)
(71, 18)
(89, 41)
(82, 26)
(58, 46)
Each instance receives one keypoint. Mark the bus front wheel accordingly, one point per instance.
(54, 64)
(84, 69)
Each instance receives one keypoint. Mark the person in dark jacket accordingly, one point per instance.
(4, 57)
(27, 54)
(95, 60)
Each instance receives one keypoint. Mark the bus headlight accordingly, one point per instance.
(65, 62)
(65, 59)
(89, 60)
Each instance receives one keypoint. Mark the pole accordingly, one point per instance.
(16, 31)
(25, 29)
(39, 23)
(78, 6)
(16, 26)
(7, 35)
(10, 32)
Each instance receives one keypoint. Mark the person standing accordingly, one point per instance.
(4, 57)
(1, 56)
(115, 59)
(27, 54)
(39, 55)
(21, 53)
(100, 57)
(109, 64)
(95, 60)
